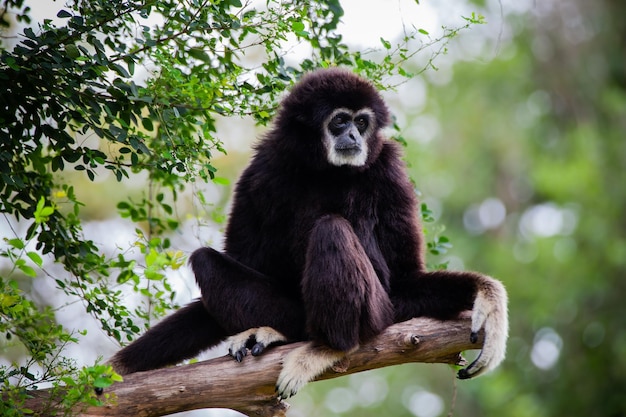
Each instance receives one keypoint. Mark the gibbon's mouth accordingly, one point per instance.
(348, 149)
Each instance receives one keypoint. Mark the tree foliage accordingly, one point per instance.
(134, 87)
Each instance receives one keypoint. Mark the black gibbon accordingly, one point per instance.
(324, 245)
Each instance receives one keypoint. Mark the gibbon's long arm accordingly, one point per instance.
(416, 292)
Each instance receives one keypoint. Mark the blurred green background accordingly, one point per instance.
(520, 148)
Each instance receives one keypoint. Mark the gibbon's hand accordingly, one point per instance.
(489, 313)
(255, 339)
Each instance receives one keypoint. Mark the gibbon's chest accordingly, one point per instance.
(356, 201)
(352, 200)
(287, 207)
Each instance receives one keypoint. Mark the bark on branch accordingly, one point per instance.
(248, 387)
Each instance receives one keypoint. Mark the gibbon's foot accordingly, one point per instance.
(489, 313)
(302, 365)
(255, 339)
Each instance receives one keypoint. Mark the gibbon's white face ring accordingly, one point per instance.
(356, 159)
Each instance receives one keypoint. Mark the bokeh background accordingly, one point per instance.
(517, 142)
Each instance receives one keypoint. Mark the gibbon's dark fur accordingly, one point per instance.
(332, 254)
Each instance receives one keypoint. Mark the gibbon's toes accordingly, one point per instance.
(284, 390)
(289, 383)
(474, 337)
(296, 371)
(476, 368)
(302, 365)
(256, 339)
(257, 349)
(237, 344)
(263, 338)
(238, 354)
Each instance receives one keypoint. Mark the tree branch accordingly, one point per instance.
(248, 387)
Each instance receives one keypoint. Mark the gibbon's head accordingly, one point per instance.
(338, 110)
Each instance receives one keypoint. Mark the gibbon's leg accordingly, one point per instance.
(344, 300)
(240, 299)
(180, 336)
(444, 294)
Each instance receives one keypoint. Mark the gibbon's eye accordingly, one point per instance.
(340, 120)
(361, 123)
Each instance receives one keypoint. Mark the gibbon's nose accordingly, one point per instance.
(354, 133)
(347, 142)
(350, 140)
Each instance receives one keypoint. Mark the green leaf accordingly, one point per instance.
(46, 211)
(27, 270)
(30, 34)
(34, 256)
(221, 180)
(8, 301)
(120, 70)
(102, 382)
(153, 275)
(72, 51)
(147, 124)
(199, 54)
(12, 63)
(297, 26)
(16, 243)
(42, 212)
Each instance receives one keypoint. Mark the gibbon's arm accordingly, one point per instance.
(439, 294)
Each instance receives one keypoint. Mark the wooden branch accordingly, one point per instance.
(248, 387)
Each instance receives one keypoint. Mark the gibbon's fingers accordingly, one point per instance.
(264, 337)
(489, 313)
(302, 365)
(237, 344)
(255, 339)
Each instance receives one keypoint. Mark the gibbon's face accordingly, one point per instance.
(346, 135)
